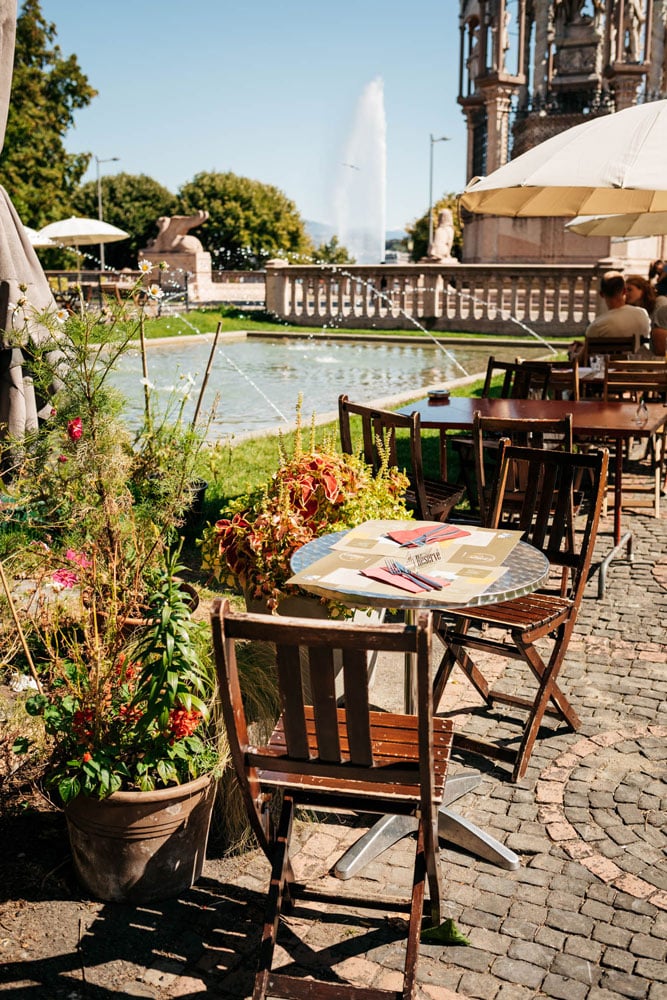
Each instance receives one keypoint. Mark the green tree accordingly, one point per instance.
(133, 202)
(249, 222)
(332, 253)
(47, 88)
(418, 230)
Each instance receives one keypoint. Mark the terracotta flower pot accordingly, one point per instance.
(140, 846)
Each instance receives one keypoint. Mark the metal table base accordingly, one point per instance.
(453, 828)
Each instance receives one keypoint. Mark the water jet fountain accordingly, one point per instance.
(360, 194)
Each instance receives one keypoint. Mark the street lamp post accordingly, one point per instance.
(442, 138)
(110, 159)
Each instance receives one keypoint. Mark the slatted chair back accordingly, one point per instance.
(614, 347)
(546, 507)
(563, 381)
(352, 758)
(520, 379)
(535, 629)
(554, 435)
(635, 378)
(431, 499)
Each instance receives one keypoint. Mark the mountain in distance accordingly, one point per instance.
(320, 232)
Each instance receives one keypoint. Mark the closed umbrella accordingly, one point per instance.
(19, 269)
(609, 165)
(634, 225)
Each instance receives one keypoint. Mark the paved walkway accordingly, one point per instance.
(584, 917)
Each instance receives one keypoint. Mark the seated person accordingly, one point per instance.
(659, 324)
(619, 320)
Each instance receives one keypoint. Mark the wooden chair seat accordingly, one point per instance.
(341, 759)
(545, 516)
(392, 784)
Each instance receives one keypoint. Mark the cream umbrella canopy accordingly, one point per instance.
(79, 232)
(634, 225)
(609, 165)
(36, 239)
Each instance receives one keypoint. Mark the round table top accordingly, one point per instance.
(527, 569)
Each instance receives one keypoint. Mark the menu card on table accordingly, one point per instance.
(462, 560)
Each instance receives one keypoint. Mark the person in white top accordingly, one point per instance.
(620, 319)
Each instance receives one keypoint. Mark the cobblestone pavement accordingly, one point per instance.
(583, 918)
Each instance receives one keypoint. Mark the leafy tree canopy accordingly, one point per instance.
(133, 202)
(418, 230)
(249, 222)
(332, 253)
(47, 88)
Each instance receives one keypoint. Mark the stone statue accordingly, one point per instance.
(440, 250)
(171, 236)
(633, 19)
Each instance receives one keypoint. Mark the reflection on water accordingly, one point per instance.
(258, 381)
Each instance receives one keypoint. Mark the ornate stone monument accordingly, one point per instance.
(440, 250)
(183, 254)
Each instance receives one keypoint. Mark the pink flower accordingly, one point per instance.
(66, 577)
(80, 558)
(75, 429)
(62, 458)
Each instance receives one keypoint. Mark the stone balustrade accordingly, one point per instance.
(484, 298)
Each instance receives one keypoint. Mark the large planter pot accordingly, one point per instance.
(140, 846)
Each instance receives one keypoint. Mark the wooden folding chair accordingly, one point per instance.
(634, 380)
(555, 435)
(543, 517)
(330, 758)
(613, 347)
(520, 380)
(563, 378)
(431, 499)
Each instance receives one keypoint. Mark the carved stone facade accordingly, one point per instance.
(530, 69)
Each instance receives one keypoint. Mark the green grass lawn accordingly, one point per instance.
(232, 318)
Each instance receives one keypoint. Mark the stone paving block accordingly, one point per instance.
(475, 984)
(523, 973)
(615, 958)
(652, 969)
(571, 923)
(479, 918)
(627, 986)
(530, 951)
(523, 929)
(560, 987)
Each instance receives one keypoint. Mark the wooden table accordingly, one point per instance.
(527, 569)
(591, 419)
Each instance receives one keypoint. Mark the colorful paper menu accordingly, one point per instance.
(465, 565)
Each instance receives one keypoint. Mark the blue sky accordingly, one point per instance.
(268, 90)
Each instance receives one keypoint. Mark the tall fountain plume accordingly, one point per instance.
(361, 188)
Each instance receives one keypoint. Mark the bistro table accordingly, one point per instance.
(591, 419)
(524, 570)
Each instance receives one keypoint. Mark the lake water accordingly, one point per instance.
(258, 380)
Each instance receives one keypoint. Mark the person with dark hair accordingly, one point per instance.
(640, 292)
(655, 271)
(659, 318)
(620, 319)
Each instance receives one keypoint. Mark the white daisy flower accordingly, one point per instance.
(154, 292)
(145, 266)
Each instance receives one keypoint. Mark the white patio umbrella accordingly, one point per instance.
(36, 239)
(77, 232)
(609, 165)
(629, 226)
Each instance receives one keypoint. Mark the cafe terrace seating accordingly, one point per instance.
(545, 518)
(637, 379)
(431, 499)
(520, 380)
(337, 759)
